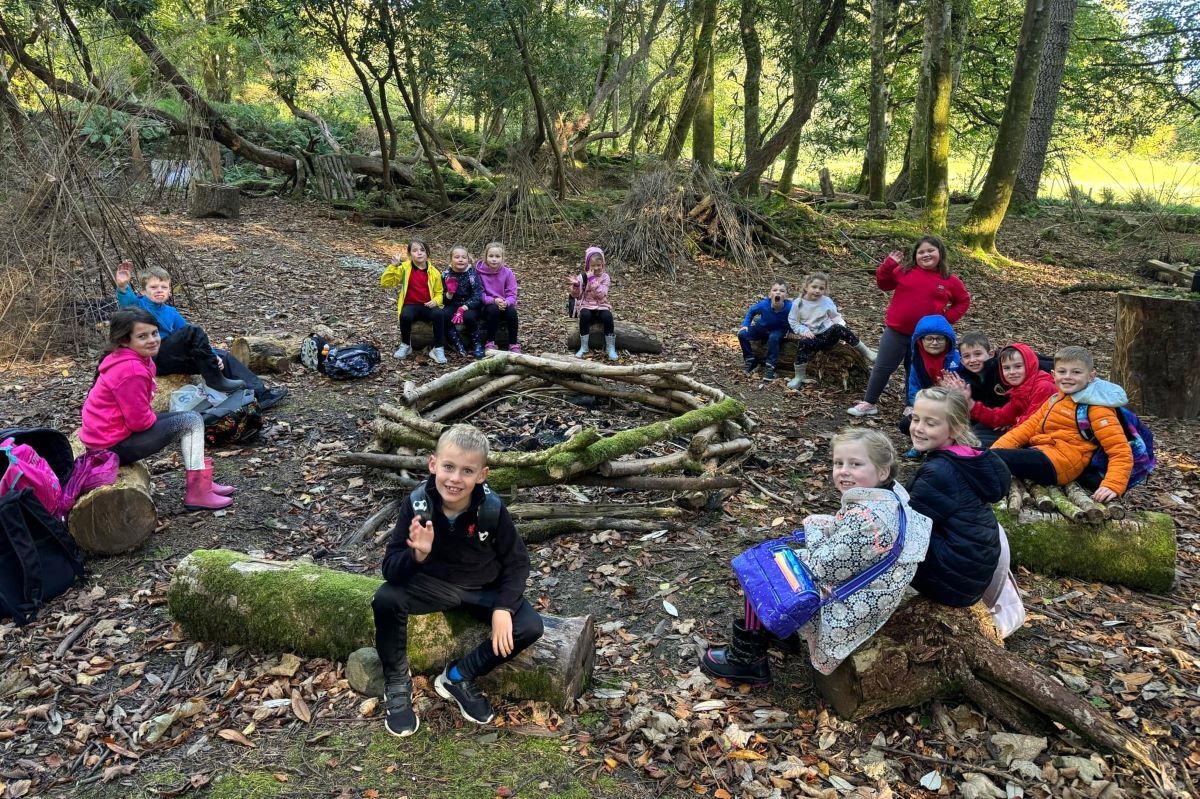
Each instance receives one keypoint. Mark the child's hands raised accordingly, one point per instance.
(897, 256)
(420, 538)
(124, 273)
(955, 382)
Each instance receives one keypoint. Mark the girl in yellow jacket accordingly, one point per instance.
(420, 299)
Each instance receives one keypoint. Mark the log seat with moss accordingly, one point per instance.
(633, 338)
(837, 366)
(225, 597)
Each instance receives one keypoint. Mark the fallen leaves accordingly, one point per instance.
(236, 737)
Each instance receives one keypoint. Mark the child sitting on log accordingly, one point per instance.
(453, 547)
(184, 348)
(1025, 387)
(767, 318)
(968, 556)
(499, 296)
(836, 549)
(979, 377)
(117, 415)
(815, 319)
(464, 300)
(420, 299)
(590, 290)
(1049, 448)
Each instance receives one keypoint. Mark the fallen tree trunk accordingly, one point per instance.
(115, 518)
(630, 337)
(926, 651)
(267, 353)
(226, 597)
(1138, 551)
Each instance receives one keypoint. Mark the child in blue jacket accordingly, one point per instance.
(934, 357)
(767, 318)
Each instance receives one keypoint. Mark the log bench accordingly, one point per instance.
(267, 353)
(631, 337)
(834, 366)
(422, 335)
(225, 597)
(114, 518)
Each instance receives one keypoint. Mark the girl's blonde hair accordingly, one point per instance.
(879, 447)
(458, 247)
(958, 413)
(495, 245)
(810, 277)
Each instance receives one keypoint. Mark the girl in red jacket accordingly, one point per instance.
(117, 413)
(923, 287)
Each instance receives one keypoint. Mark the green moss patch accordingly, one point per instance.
(251, 785)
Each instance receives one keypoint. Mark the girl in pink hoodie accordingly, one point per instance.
(117, 413)
(590, 290)
(499, 296)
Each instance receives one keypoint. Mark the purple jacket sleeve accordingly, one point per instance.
(510, 286)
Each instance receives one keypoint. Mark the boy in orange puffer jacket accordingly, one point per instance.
(1048, 447)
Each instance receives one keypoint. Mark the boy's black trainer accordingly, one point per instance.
(401, 720)
(751, 365)
(473, 705)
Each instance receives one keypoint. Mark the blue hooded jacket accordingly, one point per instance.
(918, 377)
(169, 319)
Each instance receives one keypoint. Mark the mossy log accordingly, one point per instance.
(1093, 511)
(834, 366)
(612, 447)
(267, 353)
(115, 518)
(926, 651)
(1064, 505)
(630, 337)
(1138, 551)
(226, 597)
(496, 459)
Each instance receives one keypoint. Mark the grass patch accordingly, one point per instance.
(251, 785)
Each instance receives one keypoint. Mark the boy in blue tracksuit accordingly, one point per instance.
(767, 318)
(934, 356)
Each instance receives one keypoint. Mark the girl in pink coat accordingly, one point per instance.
(590, 290)
(117, 413)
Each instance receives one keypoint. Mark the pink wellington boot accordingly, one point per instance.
(218, 488)
(199, 494)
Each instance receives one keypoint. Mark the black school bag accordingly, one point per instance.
(346, 363)
(235, 421)
(38, 558)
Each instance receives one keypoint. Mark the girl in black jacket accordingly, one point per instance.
(955, 487)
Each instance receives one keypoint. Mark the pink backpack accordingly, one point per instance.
(94, 468)
(27, 469)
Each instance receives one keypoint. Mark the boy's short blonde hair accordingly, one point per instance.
(1081, 354)
(153, 272)
(879, 447)
(958, 413)
(466, 437)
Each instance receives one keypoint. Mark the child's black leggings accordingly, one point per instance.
(422, 594)
(808, 347)
(491, 322)
(589, 315)
(413, 313)
(185, 427)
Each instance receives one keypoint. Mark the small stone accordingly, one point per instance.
(288, 665)
(364, 671)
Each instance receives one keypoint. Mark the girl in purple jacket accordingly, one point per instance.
(499, 296)
(590, 290)
(117, 414)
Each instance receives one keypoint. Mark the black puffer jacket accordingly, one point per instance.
(956, 492)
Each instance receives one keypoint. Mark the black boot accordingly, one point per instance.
(751, 365)
(478, 339)
(215, 380)
(743, 660)
(455, 340)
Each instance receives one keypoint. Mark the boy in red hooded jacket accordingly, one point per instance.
(1027, 387)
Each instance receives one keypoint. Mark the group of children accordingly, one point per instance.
(481, 296)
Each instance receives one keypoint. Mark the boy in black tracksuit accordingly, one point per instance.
(454, 546)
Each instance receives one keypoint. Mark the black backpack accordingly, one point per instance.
(489, 512)
(346, 363)
(235, 421)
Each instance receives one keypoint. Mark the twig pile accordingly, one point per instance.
(1071, 501)
(714, 425)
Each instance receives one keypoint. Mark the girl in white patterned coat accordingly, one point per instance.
(837, 548)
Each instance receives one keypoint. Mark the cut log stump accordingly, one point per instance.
(838, 365)
(630, 337)
(422, 335)
(263, 354)
(291, 606)
(1137, 551)
(115, 518)
(161, 401)
(926, 650)
(1161, 380)
(215, 199)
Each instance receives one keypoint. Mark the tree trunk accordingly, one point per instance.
(917, 165)
(983, 221)
(704, 144)
(630, 337)
(941, 86)
(1156, 361)
(115, 518)
(225, 597)
(1138, 551)
(926, 651)
(1045, 101)
(701, 53)
(810, 53)
(210, 199)
(883, 43)
(752, 48)
(267, 353)
(791, 159)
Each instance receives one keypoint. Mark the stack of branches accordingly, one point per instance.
(66, 219)
(706, 430)
(667, 216)
(521, 210)
(1072, 501)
